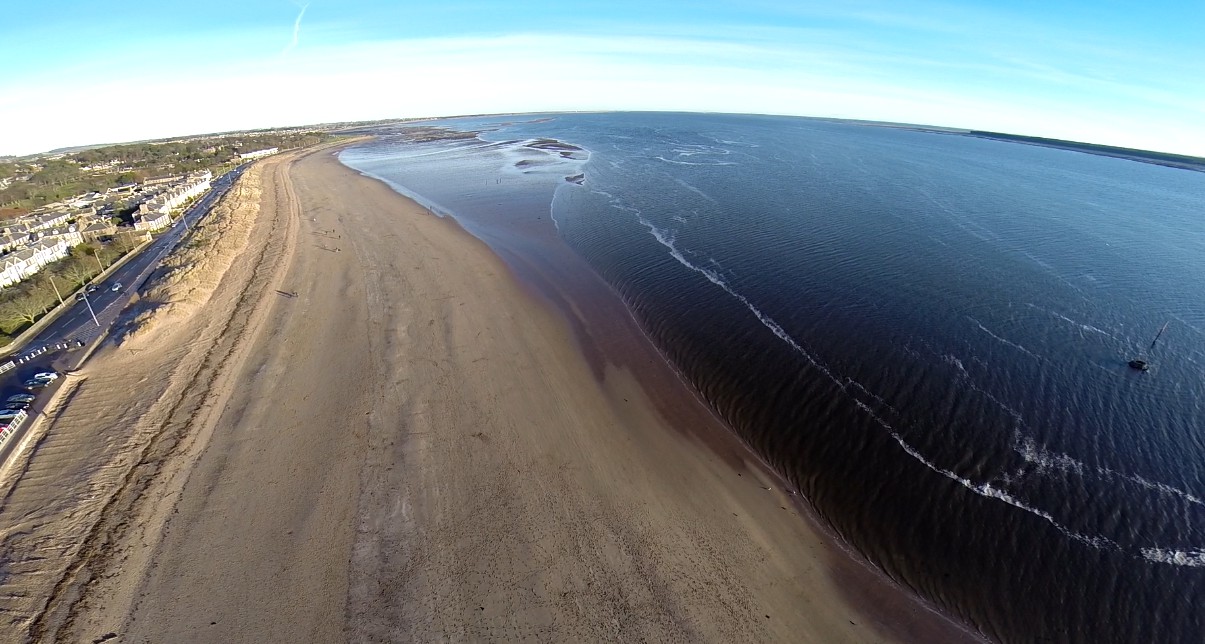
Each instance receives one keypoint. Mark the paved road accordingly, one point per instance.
(77, 323)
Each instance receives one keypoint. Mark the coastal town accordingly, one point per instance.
(34, 246)
(65, 217)
(30, 242)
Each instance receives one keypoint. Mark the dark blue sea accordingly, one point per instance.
(926, 333)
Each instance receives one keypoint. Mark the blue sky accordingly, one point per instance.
(1121, 73)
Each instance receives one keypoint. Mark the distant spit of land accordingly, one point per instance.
(1145, 156)
(1182, 161)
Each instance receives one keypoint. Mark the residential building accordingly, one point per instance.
(152, 220)
(70, 235)
(258, 153)
(97, 229)
(24, 263)
(177, 195)
(47, 220)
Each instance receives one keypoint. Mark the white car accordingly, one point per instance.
(48, 376)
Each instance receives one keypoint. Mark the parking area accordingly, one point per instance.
(25, 392)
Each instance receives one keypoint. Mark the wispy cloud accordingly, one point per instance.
(296, 31)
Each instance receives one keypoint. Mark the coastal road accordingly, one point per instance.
(106, 302)
(110, 297)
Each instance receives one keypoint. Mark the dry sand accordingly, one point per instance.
(334, 417)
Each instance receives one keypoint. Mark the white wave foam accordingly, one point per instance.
(696, 191)
(1188, 558)
(1029, 450)
(1098, 542)
(737, 143)
(1086, 327)
(1046, 460)
(1005, 341)
(951, 360)
(1076, 323)
(987, 490)
(666, 238)
(854, 383)
(1156, 486)
(676, 162)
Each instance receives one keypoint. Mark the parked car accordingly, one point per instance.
(21, 398)
(46, 375)
(116, 287)
(34, 383)
(9, 414)
(92, 288)
(16, 405)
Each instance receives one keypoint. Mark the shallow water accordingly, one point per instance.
(926, 333)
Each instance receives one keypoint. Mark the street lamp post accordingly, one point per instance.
(89, 304)
(56, 288)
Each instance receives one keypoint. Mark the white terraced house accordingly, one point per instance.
(258, 153)
(152, 220)
(175, 196)
(24, 263)
(49, 220)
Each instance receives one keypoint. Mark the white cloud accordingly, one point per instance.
(443, 76)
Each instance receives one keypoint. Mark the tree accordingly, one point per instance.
(57, 172)
(26, 307)
(46, 280)
(107, 255)
(124, 242)
(77, 272)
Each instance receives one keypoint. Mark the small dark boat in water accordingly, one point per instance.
(1138, 364)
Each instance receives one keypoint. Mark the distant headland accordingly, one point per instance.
(1145, 156)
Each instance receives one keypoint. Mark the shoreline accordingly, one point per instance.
(608, 333)
(862, 584)
(398, 439)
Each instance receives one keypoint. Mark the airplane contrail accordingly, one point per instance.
(296, 29)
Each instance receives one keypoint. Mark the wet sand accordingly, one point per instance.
(338, 418)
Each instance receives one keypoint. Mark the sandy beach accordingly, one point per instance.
(334, 417)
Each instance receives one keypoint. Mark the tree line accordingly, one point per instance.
(25, 302)
(48, 181)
